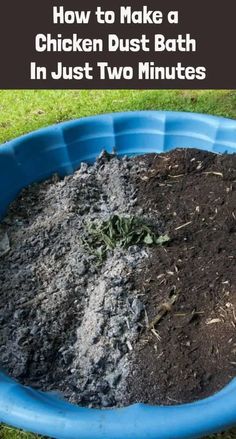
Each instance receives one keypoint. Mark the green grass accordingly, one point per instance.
(25, 111)
(10, 433)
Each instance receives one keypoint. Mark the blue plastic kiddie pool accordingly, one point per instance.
(60, 149)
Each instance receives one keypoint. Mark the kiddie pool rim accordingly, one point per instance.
(60, 148)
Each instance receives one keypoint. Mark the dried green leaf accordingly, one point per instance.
(162, 239)
(148, 239)
(119, 231)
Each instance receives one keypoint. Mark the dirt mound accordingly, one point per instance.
(145, 322)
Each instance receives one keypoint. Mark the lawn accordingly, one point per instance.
(25, 111)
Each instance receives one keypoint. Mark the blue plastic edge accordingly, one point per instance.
(61, 148)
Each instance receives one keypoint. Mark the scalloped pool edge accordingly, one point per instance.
(61, 148)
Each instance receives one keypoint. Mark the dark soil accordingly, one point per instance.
(192, 351)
